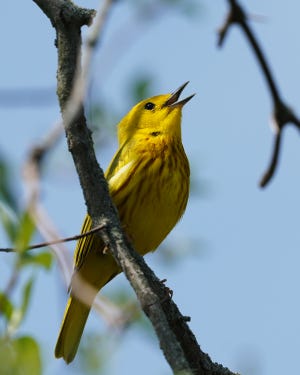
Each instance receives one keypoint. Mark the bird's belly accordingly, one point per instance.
(150, 212)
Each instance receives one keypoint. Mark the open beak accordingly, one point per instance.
(172, 101)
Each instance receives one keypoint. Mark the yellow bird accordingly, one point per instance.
(148, 181)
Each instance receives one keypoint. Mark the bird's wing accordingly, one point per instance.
(84, 244)
(121, 171)
(116, 175)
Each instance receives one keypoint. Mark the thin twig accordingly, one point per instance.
(31, 177)
(282, 113)
(48, 230)
(55, 242)
(270, 171)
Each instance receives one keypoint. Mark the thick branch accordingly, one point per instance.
(176, 340)
(282, 114)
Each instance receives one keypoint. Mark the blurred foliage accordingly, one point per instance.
(18, 313)
(21, 354)
(8, 220)
(18, 354)
(41, 259)
(24, 231)
(6, 187)
(8, 201)
(93, 353)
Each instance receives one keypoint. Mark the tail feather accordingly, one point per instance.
(71, 330)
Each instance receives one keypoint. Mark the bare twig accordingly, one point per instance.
(55, 242)
(50, 233)
(270, 171)
(282, 113)
(31, 176)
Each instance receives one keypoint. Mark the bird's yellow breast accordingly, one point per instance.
(150, 189)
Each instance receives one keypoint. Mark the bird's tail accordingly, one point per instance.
(71, 330)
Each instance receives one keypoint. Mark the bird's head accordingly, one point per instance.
(159, 115)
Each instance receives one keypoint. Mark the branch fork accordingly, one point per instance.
(282, 114)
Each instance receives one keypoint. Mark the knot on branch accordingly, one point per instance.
(69, 14)
(282, 115)
(65, 12)
(36, 155)
(235, 15)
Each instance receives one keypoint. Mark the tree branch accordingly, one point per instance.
(176, 340)
(282, 113)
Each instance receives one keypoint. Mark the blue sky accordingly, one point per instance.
(240, 284)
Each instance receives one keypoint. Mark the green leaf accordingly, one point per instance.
(43, 259)
(6, 307)
(20, 356)
(26, 296)
(18, 313)
(6, 190)
(8, 219)
(25, 231)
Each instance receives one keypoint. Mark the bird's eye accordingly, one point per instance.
(149, 106)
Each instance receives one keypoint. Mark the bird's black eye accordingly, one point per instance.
(155, 134)
(149, 106)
